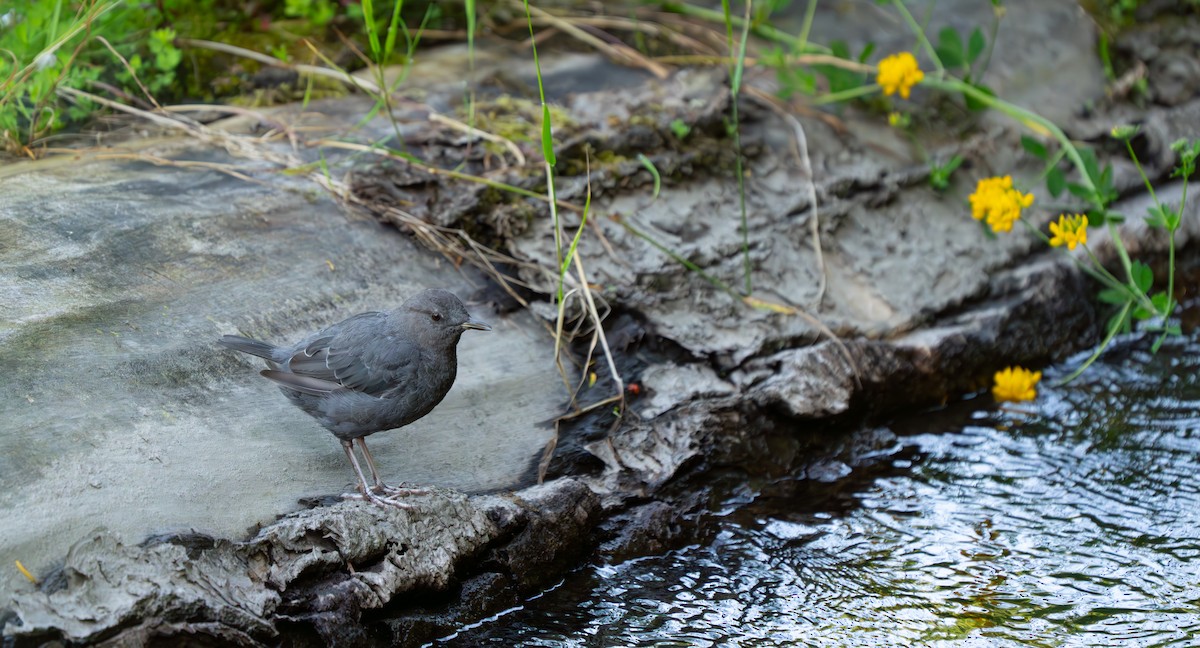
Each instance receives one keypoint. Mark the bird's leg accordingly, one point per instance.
(381, 487)
(364, 492)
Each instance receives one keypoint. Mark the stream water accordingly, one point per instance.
(1072, 521)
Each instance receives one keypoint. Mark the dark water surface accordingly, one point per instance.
(1075, 523)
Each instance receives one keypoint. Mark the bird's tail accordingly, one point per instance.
(246, 345)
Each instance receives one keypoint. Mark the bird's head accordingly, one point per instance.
(438, 318)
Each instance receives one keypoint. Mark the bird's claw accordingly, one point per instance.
(397, 491)
(370, 496)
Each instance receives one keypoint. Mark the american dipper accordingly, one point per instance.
(372, 372)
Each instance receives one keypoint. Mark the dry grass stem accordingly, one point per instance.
(129, 68)
(615, 50)
(274, 62)
(471, 130)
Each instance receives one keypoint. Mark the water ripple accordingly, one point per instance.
(1079, 526)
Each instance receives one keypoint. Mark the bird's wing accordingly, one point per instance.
(302, 384)
(353, 356)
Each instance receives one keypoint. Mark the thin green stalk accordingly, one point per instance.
(548, 154)
(727, 16)
(721, 285)
(1112, 332)
(470, 9)
(1138, 165)
(54, 21)
(1171, 249)
(1170, 230)
(763, 31)
(649, 165)
(987, 52)
(845, 95)
(587, 206)
(806, 27)
(925, 44)
(735, 84)
(1108, 278)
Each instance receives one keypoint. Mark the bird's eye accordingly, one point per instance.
(437, 317)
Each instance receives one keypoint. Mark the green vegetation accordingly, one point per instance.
(146, 53)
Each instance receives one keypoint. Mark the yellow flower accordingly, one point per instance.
(899, 73)
(1015, 384)
(996, 202)
(1069, 231)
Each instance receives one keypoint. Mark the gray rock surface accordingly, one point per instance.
(117, 277)
(311, 573)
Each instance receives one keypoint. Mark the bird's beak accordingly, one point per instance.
(477, 325)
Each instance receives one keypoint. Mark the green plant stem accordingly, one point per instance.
(1112, 332)
(649, 165)
(1170, 230)
(987, 53)
(810, 12)
(548, 154)
(721, 285)
(763, 31)
(1138, 165)
(1108, 279)
(470, 10)
(925, 44)
(735, 91)
(587, 207)
(844, 95)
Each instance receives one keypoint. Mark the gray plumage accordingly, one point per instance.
(372, 372)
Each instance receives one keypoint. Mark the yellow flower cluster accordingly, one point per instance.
(899, 73)
(1015, 384)
(996, 202)
(1069, 231)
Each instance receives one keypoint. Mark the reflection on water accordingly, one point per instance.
(1079, 525)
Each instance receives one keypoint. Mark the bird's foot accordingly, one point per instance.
(403, 490)
(372, 497)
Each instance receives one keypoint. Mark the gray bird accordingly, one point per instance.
(372, 372)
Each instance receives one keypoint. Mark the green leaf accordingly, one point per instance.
(646, 162)
(975, 104)
(949, 47)
(1160, 216)
(1056, 181)
(1162, 303)
(1142, 276)
(1114, 296)
(547, 137)
(680, 128)
(939, 174)
(1141, 313)
(1105, 182)
(867, 51)
(1080, 191)
(975, 45)
(1033, 147)
(1090, 165)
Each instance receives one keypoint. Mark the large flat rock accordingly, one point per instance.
(120, 411)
